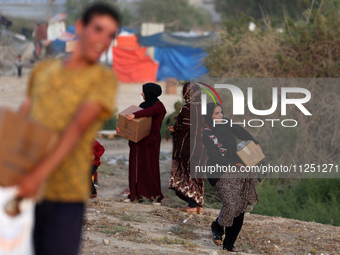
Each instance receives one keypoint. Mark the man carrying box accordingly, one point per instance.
(72, 97)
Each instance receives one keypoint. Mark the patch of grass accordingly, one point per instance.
(112, 212)
(132, 217)
(172, 241)
(106, 169)
(148, 201)
(171, 200)
(184, 231)
(111, 229)
(246, 247)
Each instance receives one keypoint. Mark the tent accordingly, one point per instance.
(59, 44)
(182, 63)
(131, 63)
(179, 56)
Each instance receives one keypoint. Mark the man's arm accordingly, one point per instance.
(87, 114)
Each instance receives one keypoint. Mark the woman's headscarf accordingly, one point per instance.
(151, 92)
(210, 111)
(191, 93)
(219, 130)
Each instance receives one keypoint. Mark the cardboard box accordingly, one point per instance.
(249, 153)
(136, 129)
(23, 144)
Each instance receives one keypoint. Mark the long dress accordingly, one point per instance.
(238, 195)
(185, 155)
(144, 175)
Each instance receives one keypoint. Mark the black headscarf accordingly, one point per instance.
(151, 92)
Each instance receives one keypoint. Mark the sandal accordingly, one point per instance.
(234, 249)
(93, 195)
(188, 210)
(217, 233)
(200, 210)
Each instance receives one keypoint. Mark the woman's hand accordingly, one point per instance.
(171, 129)
(117, 130)
(130, 116)
(93, 157)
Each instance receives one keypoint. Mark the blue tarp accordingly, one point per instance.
(71, 29)
(179, 57)
(182, 63)
(58, 46)
(169, 40)
(129, 30)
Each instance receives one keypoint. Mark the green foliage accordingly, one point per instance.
(111, 123)
(307, 200)
(74, 9)
(263, 8)
(307, 48)
(178, 15)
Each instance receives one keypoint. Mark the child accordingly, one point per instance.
(18, 64)
(97, 151)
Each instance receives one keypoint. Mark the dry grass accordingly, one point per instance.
(306, 50)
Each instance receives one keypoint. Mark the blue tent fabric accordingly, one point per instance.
(129, 30)
(182, 63)
(58, 46)
(179, 57)
(169, 40)
(71, 30)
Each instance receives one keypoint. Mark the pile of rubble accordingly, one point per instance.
(12, 45)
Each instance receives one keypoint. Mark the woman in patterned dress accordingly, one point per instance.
(190, 123)
(237, 193)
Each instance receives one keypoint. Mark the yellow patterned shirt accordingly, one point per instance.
(57, 93)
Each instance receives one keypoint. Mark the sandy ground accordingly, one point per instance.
(150, 229)
(12, 93)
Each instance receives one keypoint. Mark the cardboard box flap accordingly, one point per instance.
(23, 144)
(249, 153)
(131, 110)
(136, 129)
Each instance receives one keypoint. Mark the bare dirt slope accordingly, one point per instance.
(150, 229)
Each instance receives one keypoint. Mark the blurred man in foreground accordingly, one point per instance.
(72, 97)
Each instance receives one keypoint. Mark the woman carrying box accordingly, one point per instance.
(144, 176)
(237, 193)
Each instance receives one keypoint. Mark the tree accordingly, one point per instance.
(74, 9)
(259, 8)
(176, 14)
